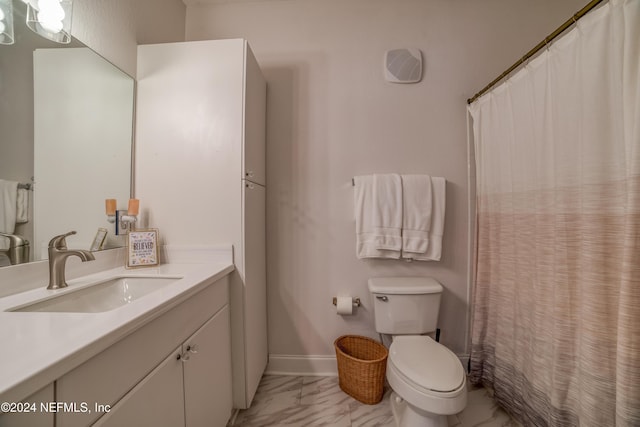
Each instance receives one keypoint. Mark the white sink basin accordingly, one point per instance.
(101, 296)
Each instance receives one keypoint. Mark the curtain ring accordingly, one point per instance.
(575, 22)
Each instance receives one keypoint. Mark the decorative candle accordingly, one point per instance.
(134, 207)
(110, 206)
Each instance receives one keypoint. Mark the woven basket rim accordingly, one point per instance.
(361, 337)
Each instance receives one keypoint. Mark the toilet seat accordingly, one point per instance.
(426, 365)
(417, 366)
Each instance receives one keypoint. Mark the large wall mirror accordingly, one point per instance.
(66, 125)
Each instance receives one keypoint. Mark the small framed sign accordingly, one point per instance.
(98, 241)
(142, 248)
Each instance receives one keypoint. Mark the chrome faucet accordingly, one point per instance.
(58, 254)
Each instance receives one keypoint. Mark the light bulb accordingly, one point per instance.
(1, 14)
(51, 25)
(42, 4)
(50, 10)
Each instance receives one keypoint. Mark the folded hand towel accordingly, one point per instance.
(8, 199)
(434, 251)
(416, 214)
(378, 213)
(22, 208)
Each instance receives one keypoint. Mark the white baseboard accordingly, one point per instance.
(284, 364)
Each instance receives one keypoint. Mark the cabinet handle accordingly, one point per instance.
(184, 357)
(249, 174)
(250, 186)
(383, 298)
(192, 349)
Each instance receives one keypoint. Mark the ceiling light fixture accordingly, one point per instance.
(50, 18)
(6, 22)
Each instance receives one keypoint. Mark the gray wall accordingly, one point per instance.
(331, 116)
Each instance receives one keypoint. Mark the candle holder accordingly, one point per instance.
(123, 220)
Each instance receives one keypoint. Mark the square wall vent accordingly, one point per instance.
(403, 65)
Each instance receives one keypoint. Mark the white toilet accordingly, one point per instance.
(427, 379)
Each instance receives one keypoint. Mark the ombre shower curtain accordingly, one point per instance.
(556, 311)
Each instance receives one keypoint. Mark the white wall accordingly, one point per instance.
(114, 28)
(332, 116)
(108, 27)
(159, 21)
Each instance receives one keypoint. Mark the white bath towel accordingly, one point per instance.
(434, 251)
(8, 199)
(22, 206)
(416, 214)
(378, 213)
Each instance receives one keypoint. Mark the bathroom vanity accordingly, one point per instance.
(160, 356)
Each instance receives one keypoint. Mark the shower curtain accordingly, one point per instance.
(556, 304)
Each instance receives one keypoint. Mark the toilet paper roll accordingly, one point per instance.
(344, 305)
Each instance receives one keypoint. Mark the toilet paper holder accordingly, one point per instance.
(356, 301)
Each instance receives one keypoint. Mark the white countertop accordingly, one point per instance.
(38, 348)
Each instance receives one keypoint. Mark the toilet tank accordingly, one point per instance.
(405, 305)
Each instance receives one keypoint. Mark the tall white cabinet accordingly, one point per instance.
(200, 173)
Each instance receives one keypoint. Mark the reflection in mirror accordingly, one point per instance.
(66, 120)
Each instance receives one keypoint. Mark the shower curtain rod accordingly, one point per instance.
(592, 4)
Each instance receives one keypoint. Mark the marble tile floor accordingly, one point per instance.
(290, 401)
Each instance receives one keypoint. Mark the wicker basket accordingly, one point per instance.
(362, 364)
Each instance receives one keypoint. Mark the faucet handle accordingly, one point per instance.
(59, 242)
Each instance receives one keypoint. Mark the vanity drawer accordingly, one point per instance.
(108, 376)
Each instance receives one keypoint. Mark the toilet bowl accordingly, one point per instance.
(428, 381)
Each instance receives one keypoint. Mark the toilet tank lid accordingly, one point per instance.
(404, 285)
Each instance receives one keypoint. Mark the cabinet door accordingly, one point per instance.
(207, 373)
(156, 401)
(255, 110)
(189, 109)
(35, 417)
(255, 287)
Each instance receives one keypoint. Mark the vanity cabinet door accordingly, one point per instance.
(207, 373)
(191, 387)
(156, 401)
(37, 415)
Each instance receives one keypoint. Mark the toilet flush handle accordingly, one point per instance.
(382, 298)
